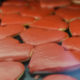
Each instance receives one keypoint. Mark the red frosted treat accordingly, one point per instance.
(15, 3)
(74, 6)
(76, 54)
(54, 3)
(59, 77)
(9, 9)
(36, 36)
(8, 40)
(35, 4)
(11, 70)
(10, 30)
(16, 19)
(50, 23)
(11, 50)
(51, 57)
(75, 27)
(72, 43)
(68, 14)
(36, 12)
(0, 17)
